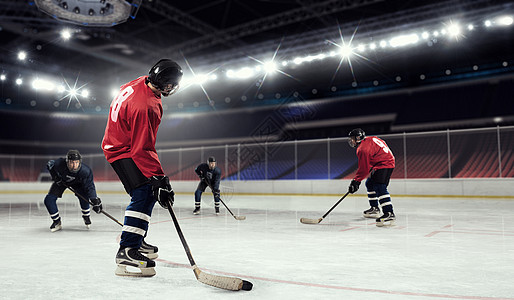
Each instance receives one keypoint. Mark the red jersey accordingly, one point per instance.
(373, 154)
(131, 131)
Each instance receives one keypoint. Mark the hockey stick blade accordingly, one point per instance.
(317, 221)
(239, 218)
(310, 221)
(222, 282)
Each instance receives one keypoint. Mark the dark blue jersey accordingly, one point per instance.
(212, 177)
(82, 179)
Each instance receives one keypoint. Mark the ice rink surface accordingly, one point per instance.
(440, 248)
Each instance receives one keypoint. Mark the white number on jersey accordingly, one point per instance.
(381, 145)
(116, 104)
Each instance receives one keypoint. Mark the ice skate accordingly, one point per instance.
(372, 212)
(149, 251)
(56, 225)
(130, 257)
(217, 210)
(87, 221)
(196, 211)
(388, 219)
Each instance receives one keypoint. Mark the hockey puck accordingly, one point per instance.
(247, 285)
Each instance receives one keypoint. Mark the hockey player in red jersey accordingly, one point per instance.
(129, 146)
(377, 161)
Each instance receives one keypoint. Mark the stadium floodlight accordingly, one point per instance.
(372, 46)
(84, 93)
(505, 21)
(361, 48)
(404, 40)
(298, 60)
(270, 67)
(454, 30)
(66, 34)
(488, 23)
(90, 13)
(471, 27)
(231, 74)
(244, 73)
(345, 51)
(425, 35)
(19, 81)
(22, 55)
(3, 77)
(42, 85)
(320, 56)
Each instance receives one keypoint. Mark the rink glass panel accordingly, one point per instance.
(470, 153)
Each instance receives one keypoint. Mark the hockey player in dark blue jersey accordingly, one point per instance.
(210, 176)
(71, 172)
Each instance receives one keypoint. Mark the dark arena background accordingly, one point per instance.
(271, 89)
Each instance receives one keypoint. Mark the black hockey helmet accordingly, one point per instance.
(73, 155)
(356, 137)
(165, 75)
(211, 159)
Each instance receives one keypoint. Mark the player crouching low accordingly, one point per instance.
(71, 172)
(374, 154)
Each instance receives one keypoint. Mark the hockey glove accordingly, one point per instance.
(56, 177)
(216, 193)
(354, 186)
(162, 190)
(97, 204)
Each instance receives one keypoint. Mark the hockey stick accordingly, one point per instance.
(222, 282)
(235, 217)
(317, 221)
(84, 199)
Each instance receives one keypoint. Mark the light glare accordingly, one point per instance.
(22, 55)
(505, 21)
(66, 34)
(454, 30)
(346, 51)
(404, 40)
(41, 84)
(270, 67)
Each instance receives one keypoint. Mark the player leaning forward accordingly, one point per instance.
(71, 172)
(374, 156)
(129, 146)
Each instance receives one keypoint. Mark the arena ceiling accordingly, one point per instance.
(221, 38)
